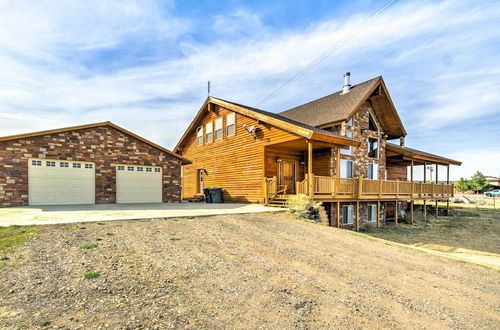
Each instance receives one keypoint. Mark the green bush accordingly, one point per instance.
(304, 207)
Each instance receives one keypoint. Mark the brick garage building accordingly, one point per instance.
(99, 163)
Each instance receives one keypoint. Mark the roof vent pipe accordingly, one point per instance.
(347, 82)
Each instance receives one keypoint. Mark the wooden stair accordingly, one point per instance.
(278, 202)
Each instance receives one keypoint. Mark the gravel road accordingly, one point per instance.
(237, 271)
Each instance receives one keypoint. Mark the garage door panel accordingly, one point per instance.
(60, 185)
(135, 186)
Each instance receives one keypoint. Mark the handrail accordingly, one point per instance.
(361, 188)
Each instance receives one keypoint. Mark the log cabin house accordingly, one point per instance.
(335, 149)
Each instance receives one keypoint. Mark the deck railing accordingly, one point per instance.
(328, 187)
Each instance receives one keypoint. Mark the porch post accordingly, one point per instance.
(411, 171)
(411, 212)
(338, 214)
(357, 215)
(448, 182)
(378, 213)
(437, 182)
(309, 168)
(396, 213)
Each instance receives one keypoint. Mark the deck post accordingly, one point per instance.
(425, 209)
(357, 215)
(337, 170)
(396, 211)
(309, 168)
(338, 214)
(378, 213)
(360, 187)
(397, 189)
(411, 212)
(379, 189)
(448, 182)
(436, 210)
(265, 191)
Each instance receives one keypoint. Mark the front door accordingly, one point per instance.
(287, 176)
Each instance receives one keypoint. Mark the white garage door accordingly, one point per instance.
(60, 182)
(138, 184)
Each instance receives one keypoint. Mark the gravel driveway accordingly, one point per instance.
(237, 271)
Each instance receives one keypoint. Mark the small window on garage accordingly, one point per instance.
(36, 162)
(63, 164)
(140, 169)
(130, 168)
(50, 164)
(89, 165)
(77, 165)
(149, 169)
(218, 128)
(121, 168)
(157, 170)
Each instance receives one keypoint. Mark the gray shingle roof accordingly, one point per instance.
(332, 108)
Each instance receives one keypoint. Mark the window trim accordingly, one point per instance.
(232, 114)
(221, 129)
(199, 129)
(211, 140)
(378, 147)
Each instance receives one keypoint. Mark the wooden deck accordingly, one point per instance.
(327, 188)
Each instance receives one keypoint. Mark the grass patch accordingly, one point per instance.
(13, 237)
(45, 324)
(98, 239)
(109, 234)
(470, 229)
(89, 246)
(175, 239)
(100, 223)
(91, 275)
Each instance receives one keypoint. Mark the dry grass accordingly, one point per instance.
(475, 229)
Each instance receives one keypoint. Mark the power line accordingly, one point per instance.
(336, 46)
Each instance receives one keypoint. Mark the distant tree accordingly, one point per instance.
(478, 182)
(462, 185)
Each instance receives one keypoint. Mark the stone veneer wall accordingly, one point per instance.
(104, 146)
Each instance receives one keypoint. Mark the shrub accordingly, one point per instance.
(89, 245)
(304, 207)
(368, 227)
(91, 275)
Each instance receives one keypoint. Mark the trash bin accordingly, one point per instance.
(213, 195)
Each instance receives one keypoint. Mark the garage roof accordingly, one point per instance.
(106, 123)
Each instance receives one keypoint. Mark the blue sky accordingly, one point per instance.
(145, 64)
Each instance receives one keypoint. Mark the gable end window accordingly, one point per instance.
(199, 136)
(218, 128)
(230, 124)
(209, 132)
(372, 148)
(372, 126)
(350, 122)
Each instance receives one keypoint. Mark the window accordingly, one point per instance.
(372, 171)
(50, 164)
(350, 122)
(121, 168)
(372, 212)
(345, 168)
(149, 169)
(77, 165)
(63, 164)
(218, 128)
(347, 215)
(140, 169)
(208, 132)
(199, 136)
(351, 149)
(130, 168)
(372, 148)
(89, 165)
(230, 124)
(36, 162)
(372, 126)
(157, 170)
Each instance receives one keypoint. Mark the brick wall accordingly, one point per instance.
(104, 146)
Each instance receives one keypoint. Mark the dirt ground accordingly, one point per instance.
(237, 271)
